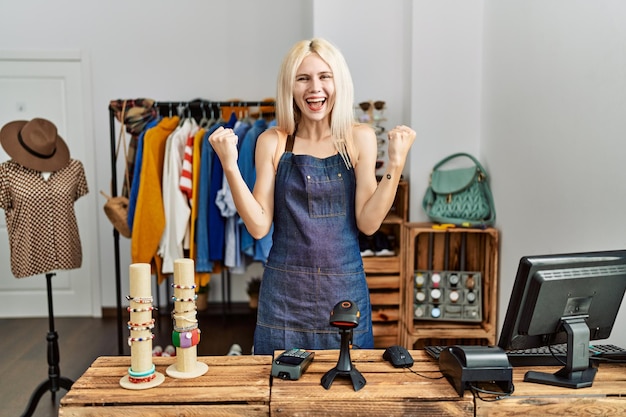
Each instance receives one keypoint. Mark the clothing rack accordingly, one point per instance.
(197, 109)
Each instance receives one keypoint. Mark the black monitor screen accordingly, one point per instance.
(568, 298)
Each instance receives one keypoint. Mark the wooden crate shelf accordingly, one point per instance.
(481, 255)
(385, 275)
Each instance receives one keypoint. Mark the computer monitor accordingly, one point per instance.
(568, 298)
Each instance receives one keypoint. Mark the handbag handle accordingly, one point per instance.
(461, 154)
(121, 141)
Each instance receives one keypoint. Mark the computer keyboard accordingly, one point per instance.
(554, 355)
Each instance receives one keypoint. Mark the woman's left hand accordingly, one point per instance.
(400, 140)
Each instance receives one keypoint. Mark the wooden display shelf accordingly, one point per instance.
(426, 250)
(384, 275)
(399, 212)
(383, 264)
(385, 299)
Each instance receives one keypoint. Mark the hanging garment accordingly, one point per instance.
(149, 218)
(315, 260)
(217, 223)
(186, 173)
(248, 172)
(201, 278)
(175, 204)
(226, 204)
(40, 217)
(203, 261)
(134, 188)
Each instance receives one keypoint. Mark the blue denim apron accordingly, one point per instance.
(315, 260)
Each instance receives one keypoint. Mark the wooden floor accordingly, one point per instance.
(24, 361)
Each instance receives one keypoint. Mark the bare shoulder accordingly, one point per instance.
(364, 139)
(271, 143)
(362, 131)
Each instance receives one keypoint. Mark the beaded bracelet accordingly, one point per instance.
(140, 328)
(186, 339)
(141, 374)
(194, 298)
(148, 323)
(141, 380)
(139, 339)
(140, 300)
(184, 287)
(140, 310)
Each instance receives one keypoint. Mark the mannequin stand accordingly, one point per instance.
(55, 380)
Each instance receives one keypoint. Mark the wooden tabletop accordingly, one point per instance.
(606, 396)
(241, 386)
(233, 385)
(388, 391)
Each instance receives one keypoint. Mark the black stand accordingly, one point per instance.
(577, 373)
(55, 380)
(344, 365)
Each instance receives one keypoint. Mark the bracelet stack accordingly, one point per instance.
(141, 373)
(185, 334)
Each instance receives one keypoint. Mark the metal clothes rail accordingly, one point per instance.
(198, 109)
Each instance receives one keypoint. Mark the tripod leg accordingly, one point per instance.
(358, 380)
(35, 397)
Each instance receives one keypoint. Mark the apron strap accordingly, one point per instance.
(289, 143)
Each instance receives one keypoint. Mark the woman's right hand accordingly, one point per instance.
(224, 142)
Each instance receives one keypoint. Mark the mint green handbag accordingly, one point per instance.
(460, 196)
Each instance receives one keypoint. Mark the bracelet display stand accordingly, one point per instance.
(55, 380)
(186, 333)
(141, 374)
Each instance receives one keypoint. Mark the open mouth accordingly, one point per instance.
(315, 104)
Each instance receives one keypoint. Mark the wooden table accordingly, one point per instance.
(388, 391)
(233, 386)
(606, 397)
(240, 386)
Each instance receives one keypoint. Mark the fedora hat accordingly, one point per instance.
(35, 144)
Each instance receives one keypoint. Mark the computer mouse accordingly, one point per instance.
(398, 356)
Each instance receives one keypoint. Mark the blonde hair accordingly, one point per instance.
(342, 115)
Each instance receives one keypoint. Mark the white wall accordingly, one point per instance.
(534, 88)
(446, 83)
(374, 36)
(163, 50)
(554, 128)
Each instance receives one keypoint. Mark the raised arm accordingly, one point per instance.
(373, 200)
(256, 208)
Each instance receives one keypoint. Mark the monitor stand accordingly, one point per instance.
(576, 373)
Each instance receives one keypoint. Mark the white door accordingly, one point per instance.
(51, 86)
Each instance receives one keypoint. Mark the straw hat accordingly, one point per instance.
(35, 144)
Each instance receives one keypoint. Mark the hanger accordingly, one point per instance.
(204, 121)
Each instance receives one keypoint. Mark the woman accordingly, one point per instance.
(316, 184)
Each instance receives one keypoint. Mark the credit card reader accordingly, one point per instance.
(292, 363)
